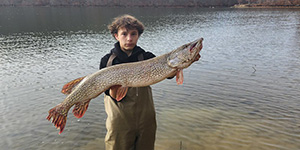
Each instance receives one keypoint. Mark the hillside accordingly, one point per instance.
(148, 3)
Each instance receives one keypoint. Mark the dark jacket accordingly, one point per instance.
(122, 57)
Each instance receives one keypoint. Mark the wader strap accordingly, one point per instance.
(113, 56)
(110, 59)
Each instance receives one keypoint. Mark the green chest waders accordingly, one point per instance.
(131, 123)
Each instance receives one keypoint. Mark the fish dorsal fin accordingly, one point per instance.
(118, 92)
(179, 77)
(68, 88)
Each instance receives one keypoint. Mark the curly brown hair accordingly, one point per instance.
(127, 21)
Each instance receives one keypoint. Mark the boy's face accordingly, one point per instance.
(127, 37)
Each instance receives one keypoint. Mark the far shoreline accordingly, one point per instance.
(239, 6)
(264, 6)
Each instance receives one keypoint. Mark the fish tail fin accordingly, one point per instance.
(58, 116)
(80, 108)
(68, 88)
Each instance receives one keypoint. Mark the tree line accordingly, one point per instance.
(145, 3)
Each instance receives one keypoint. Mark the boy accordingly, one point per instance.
(131, 122)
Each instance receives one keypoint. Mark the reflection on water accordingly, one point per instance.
(243, 94)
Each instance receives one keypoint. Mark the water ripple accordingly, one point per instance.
(242, 94)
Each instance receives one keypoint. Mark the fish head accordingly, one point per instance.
(185, 55)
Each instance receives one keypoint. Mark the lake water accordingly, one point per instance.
(244, 93)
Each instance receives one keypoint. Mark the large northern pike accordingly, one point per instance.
(118, 78)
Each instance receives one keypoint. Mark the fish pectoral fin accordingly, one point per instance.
(179, 76)
(68, 88)
(118, 92)
(80, 108)
(58, 116)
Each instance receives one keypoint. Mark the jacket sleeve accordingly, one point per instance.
(148, 55)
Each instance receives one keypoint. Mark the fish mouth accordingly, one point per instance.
(198, 46)
(194, 45)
